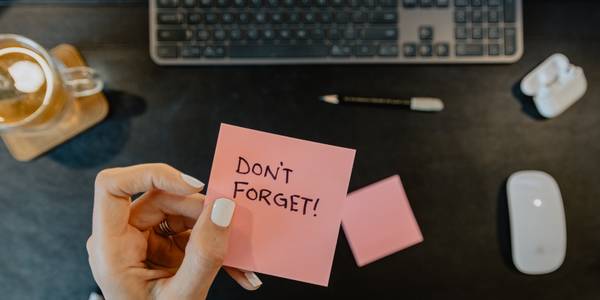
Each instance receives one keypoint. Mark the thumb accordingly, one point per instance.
(205, 251)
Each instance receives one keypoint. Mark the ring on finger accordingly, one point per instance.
(164, 229)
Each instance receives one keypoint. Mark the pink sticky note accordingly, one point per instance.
(378, 221)
(289, 196)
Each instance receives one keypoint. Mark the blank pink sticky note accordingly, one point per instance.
(289, 196)
(378, 221)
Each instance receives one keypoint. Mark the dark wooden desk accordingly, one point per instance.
(453, 164)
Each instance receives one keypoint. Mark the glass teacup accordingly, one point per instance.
(36, 90)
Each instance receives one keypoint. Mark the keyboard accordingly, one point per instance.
(234, 32)
(61, 2)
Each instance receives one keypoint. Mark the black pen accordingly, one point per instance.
(416, 103)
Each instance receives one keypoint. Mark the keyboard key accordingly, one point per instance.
(493, 33)
(191, 52)
(510, 40)
(203, 35)
(476, 16)
(461, 3)
(227, 18)
(368, 3)
(173, 35)
(493, 16)
(309, 18)
(166, 51)
(278, 51)
(211, 18)
(253, 34)
(333, 34)
(341, 51)
(494, 3)
(359, 17)
(409, 49)
(236, 34)
(476, 3)
(364, 50)
(260, 18)
(384, 17)
(375, 33)
(387, 3)
(277, 18)
(220, 34)
(342, 17)
(442, 49)
(189, 3)
(476, 33)
(214, 51)
(326, 17)
(509, 32)
(460, 16)
(388, 50)
(194, 18)
(256, 3)
(239, 3)
(509, 11)
(301, 34)
(349, 33)
(321, 3)
(244, 18)
(223, 3)
(167, 3)
(337, 2)
(425, 32)
(317, 34)
(170, 18)
(460, 33)
(425, 50)
(293, 18)
(268, 34)
(285, 34)
(442, 3)
(205, 3)
(493, 49)
(463, 49)
(426, 3)
(409, 3)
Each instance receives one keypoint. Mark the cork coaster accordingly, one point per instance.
(25, 146)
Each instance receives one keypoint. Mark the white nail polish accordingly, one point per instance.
(222, 212)
(253, 279)
(192, 181)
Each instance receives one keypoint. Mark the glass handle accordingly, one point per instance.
(82, 81)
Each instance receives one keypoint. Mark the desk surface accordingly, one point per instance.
(453, 164)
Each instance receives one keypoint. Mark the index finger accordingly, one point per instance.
(114, 188)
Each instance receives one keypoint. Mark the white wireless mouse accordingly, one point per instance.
(537, 222)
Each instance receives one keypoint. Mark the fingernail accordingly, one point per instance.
(192, 181)
(253, 279)
(222, 212)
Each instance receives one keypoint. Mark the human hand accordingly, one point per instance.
(130, 260)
